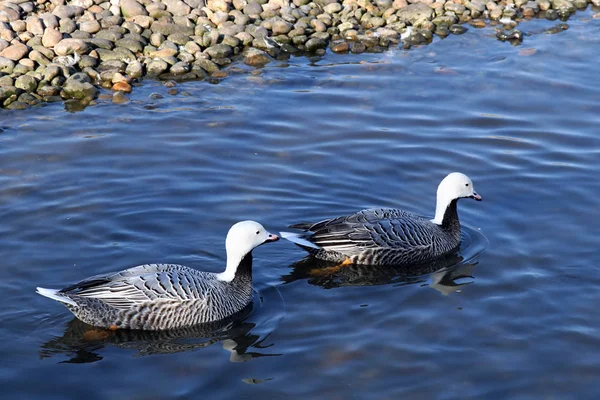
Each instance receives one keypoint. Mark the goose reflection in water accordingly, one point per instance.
(83, 343)
(447, 274)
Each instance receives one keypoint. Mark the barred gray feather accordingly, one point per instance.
(383, 237)
(157, 297)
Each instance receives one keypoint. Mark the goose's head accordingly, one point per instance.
(453, 187)
(456, 186)
(244, 236)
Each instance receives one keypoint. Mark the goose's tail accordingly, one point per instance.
(301, 239)
(55, 295)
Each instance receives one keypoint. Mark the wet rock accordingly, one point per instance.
(340, 47)
(15, 52)
(219, 51)
(78, 86)
(313, 44)
(119, 98)
(256, 57)
(51, 72)
(17, 105)
(122, 86)
(135, 69)
(27, 83)
(156, 67)
(206, 65)
(458, 29)
(513, 35)
(180, 68)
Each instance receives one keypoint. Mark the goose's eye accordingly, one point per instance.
(466, 184)
(257, 232)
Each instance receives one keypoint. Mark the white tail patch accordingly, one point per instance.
(299, 239)
(54, 295)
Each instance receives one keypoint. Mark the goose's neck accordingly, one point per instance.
(238, 266)
(446, 213)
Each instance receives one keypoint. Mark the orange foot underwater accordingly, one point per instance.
(331, 270)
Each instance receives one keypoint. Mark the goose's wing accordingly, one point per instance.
(373, 228)
(143, 284)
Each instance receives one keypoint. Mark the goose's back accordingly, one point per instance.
(156, 297)
(381, 236)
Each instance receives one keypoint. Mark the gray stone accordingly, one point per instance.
(67, 25)
(180, 68)
(90, 26)
(97, 42)
(332, 8)
(88, 61)
(256, 57)
(131, 8)
(177, 7)
(281, 27)
(168, 29)
(70, 46)
(39, 57)
(156, 67)
(135, 69)
(119, 53)
(111, 35)
(219, 51)
(133, 45)
(313, 44)
(179, 38)
(51, 72)
(63, 12)
(78, 86)
(17, 105)
(415, 12)
(6, 65)
(207, 65)
(50, 20)
(253, 9)
(27, 83)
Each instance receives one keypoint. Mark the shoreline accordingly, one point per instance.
(53, 50)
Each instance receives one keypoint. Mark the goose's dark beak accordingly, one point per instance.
(271, 238)
(476, 197)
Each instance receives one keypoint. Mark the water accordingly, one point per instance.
(162, 180)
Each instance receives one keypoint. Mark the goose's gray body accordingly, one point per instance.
(387, 236)
(158, 297)
(168, 296)
(382, 237)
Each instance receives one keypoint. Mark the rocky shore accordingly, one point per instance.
(52, 50)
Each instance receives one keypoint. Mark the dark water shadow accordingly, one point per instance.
(245, 335)
(446, 274)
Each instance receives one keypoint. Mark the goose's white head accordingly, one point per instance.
(242, 238)
(454, 186)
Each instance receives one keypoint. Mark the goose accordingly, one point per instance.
(386, 236)
(168, 296)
